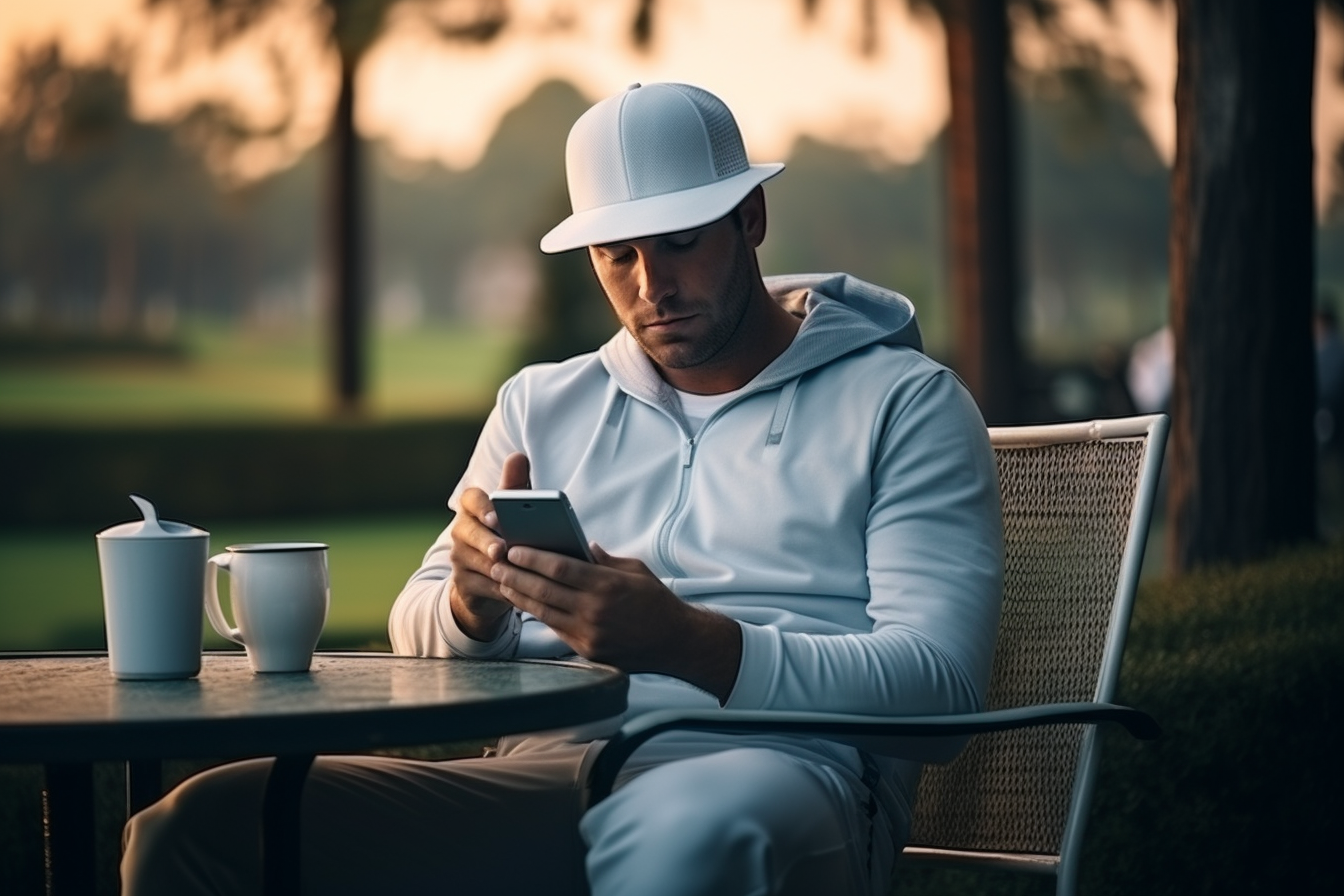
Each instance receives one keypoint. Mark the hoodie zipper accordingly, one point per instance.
(683, 489)
(783, 404)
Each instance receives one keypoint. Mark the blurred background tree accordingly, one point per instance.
(85, 185)
(1243, 453)
(348, 28)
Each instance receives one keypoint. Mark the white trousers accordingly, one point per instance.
(740, 821)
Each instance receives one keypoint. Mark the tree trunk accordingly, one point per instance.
(116, 313)
(982, 214)
(345, 250)
(1242, 461)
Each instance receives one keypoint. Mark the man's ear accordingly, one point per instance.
(751, 213)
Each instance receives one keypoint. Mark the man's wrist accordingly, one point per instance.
(498, 641)
(477, 626)
(716, 658)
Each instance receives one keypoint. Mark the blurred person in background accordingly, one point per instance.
(1149, 373)
(1329, 375)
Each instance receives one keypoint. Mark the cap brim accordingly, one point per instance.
(668, 213)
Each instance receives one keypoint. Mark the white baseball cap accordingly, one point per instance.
(657, 158)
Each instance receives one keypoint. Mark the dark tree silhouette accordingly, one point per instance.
(982, 185)
(1242, 461)
(349, 29)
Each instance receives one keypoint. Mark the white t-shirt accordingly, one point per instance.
(699, 408)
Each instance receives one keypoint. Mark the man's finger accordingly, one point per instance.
(476, 504)
(527, 582)
(624, 564)
(475, 535)
(475, 526)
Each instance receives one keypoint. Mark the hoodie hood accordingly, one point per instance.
(841, 314)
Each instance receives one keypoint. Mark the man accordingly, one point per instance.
(792, 508)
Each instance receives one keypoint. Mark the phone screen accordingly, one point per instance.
(540, 518)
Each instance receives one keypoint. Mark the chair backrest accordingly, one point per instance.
(1077, 500)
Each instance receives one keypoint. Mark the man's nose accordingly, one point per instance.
(655, 284)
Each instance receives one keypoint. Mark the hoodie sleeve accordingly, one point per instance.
(935, 568)
(421, 623)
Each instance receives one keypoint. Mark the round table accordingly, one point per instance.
(69, 708)
(66, 711)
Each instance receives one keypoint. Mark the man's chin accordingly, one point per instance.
(672, 356)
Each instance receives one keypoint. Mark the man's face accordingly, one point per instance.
(683, 296)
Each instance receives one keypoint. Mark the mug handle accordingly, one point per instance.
(212, 607)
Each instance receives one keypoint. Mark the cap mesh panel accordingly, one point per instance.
(725, 142)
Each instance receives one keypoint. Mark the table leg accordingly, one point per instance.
(144, 784)
(68, 828)
(280, 825)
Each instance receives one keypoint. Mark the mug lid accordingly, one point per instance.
(159, 529)
(151, 526)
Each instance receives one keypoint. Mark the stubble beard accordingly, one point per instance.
(733, 300)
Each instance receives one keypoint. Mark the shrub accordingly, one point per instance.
(1244, 669)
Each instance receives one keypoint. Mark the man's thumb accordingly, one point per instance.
(517, 472)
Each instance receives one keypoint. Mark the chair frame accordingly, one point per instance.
(870, 732)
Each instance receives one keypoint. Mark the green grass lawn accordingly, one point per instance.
(51, 594)
(224, 374)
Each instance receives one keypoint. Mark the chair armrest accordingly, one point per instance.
(872, 733)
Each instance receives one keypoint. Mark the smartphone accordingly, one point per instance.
(540, 518)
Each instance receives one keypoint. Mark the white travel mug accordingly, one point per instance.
(153, 572)
(280, 593)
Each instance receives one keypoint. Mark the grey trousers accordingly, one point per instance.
(738, 820)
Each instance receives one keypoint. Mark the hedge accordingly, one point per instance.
(67, 475)
(1244, 669)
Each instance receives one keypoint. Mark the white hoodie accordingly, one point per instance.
(843, 508)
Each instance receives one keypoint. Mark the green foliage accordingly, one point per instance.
(233, 472)
(833, 210)
(1244, 669)
(1096, 202)
(235, 426)
(132, 202)
(87, 191)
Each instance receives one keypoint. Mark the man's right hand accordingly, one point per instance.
(474, 597)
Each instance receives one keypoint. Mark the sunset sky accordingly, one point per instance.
(784, 76)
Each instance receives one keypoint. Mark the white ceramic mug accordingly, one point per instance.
(151, 573)
(279, 592)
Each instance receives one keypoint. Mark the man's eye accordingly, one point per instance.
(616, 256)
(684, 240)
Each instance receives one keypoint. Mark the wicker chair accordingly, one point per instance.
(1077, 498)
